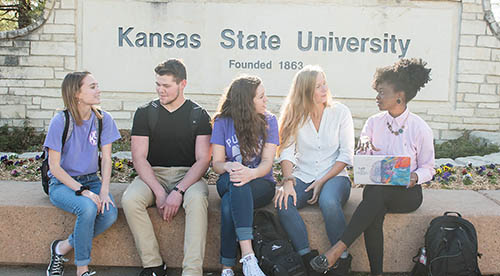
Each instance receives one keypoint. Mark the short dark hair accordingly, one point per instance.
(407, 75)
(174, 67)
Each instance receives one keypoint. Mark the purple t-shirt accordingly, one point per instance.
(79, 156)
(224, 134)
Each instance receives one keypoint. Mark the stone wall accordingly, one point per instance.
(32, 68)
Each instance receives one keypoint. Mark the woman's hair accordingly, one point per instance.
(299, 104)
(407, 75)
(237, 104)
(70, 88)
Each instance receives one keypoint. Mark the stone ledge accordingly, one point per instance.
(30, 222)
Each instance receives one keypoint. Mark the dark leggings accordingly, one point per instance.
(369, 218)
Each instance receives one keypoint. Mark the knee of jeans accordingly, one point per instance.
(285, 212)
(111, 216)
(225, 209)
(87, 210)
(329, 204)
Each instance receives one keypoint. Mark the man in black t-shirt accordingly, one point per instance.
(171, 152)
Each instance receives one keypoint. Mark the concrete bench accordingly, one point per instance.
(29, 222)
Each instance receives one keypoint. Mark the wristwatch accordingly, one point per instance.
(82, 188)
(179, 191)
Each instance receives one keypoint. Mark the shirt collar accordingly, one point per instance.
(401, 119)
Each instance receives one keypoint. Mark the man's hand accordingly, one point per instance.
(160, 201)
(171, 205)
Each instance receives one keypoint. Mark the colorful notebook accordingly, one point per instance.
(382, 170)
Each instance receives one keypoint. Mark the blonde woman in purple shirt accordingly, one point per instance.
(395, 131)
(74, 185)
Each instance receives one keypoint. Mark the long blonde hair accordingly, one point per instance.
(299, 104)
(70, 88)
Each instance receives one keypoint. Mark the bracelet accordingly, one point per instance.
(285, 179)
(179, 191)
(82, 188)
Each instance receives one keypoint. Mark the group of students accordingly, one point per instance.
(173, 143)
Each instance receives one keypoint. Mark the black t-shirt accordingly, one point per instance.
(173, 144)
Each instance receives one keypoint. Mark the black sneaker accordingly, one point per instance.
(88, 273)
(160, 270)
(56, 265)
(341, 268)
(307, 259)
(320, 264)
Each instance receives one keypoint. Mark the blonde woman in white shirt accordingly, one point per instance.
(317, 143)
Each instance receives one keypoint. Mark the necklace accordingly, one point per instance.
(399, 131)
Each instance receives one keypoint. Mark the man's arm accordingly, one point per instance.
(140, 146)
(202, 154)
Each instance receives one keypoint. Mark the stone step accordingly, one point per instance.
(29, 222)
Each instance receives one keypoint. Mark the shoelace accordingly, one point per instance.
(58, 265)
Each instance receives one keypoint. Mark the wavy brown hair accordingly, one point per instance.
(299, 104)
(70, 88)
(237, 104)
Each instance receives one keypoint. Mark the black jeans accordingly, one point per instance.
(369, 218)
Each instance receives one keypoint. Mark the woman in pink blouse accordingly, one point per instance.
(395, 131)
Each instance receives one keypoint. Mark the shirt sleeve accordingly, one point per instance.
(218, 132)
(204, 127)
(140, 125)
(288, 153)
(272, 130)
(110, 131)
(425, 155)
(53, 140)
(346, 139)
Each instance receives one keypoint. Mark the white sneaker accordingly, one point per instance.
(227, 272)
(251, 266)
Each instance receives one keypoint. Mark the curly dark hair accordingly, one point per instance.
(250, 126)
(407, 75)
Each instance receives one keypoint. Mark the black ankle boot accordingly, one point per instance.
(307, 259)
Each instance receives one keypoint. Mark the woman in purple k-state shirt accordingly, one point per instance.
(74, 185)
(244, 139)
(395, 131)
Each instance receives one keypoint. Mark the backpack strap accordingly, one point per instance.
(98, 125)
(195, 117)
(153, 113)
(68, 128)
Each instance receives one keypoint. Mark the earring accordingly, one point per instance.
(398, 101)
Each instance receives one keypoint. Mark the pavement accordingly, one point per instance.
(38, 270)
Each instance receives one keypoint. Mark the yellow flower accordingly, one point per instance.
(439, 171)
(118, 165)
(446, 168)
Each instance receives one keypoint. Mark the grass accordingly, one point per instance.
(464, 146)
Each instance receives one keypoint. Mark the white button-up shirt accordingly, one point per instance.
(315, 152)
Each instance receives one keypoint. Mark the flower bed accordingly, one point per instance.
(447, 176)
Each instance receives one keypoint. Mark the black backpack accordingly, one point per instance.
(68, 128)
(451, 247)
(272, 249)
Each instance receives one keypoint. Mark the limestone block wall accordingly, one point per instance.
(32, 68)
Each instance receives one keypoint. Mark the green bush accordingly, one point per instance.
(464, 146)
(20, 139)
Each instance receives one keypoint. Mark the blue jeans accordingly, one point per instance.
(88, 223)
(237, 205)
(333, 196)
